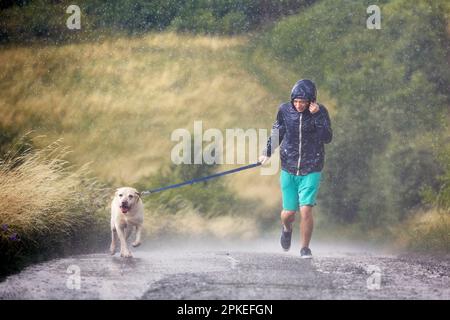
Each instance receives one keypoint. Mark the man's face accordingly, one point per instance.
(301, 104)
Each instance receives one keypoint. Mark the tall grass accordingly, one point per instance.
(48, 207)
(427, 231)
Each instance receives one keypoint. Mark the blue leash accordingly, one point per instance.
(146, 192)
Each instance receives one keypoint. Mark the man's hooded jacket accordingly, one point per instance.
(302, 135)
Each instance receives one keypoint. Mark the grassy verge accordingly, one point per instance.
(49, 208)
(425, 232)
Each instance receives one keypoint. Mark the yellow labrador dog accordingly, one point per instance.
(127, 211)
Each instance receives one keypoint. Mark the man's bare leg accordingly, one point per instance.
(306, 225)
(287, 218)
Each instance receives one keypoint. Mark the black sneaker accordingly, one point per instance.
(305, 253)
(285, 239)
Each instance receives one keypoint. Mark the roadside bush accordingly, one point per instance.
(49, 208)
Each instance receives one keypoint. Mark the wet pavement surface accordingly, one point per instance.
(246, 271)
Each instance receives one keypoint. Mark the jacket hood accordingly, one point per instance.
(304, 89)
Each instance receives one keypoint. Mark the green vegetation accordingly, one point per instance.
(46, 19)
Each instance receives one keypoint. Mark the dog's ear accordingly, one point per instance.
(138, 194)
(117, 192)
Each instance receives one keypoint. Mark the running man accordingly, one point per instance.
(303, 127)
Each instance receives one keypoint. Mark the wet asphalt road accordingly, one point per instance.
(258, 270)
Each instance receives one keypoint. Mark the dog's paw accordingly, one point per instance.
(112, 250)
(136, 244)
(126, 254)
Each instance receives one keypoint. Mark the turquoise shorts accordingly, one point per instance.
(298, 191)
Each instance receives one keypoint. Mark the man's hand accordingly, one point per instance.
(313, 107)
(263, 159)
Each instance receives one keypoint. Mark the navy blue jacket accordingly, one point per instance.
(302, 136)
